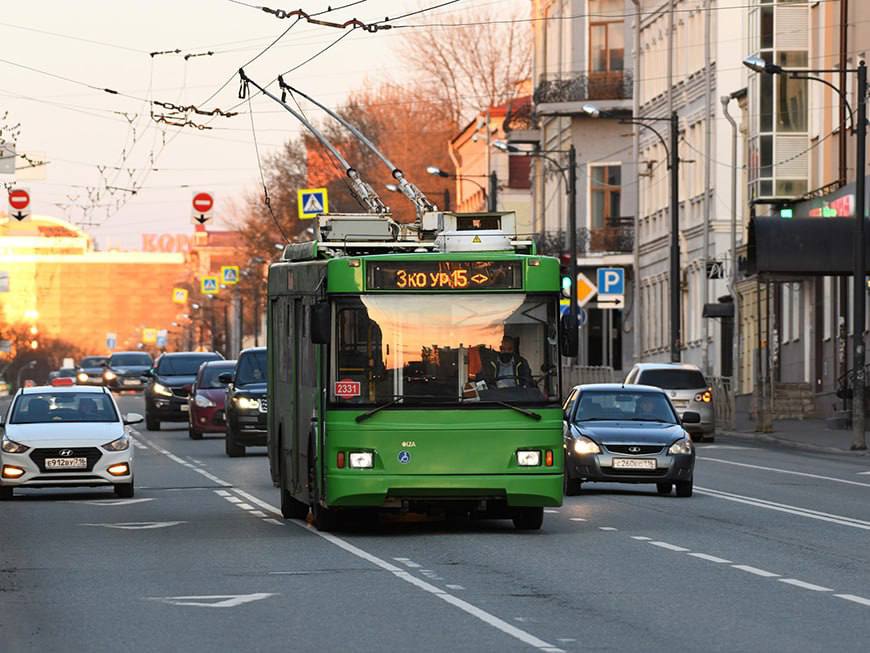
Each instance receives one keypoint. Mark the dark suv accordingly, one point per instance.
(169, 384)
(246, 406)
(125, 369)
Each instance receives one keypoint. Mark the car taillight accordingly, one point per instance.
(705, 397)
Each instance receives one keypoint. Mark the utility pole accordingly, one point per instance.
(675, 239)
(859, 285)
(572, 234)
(492, 195)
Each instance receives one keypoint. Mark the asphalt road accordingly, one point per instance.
(771, 554)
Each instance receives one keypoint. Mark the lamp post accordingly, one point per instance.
(673, 154)
(569, 176)
(859, 309)
(489, 196)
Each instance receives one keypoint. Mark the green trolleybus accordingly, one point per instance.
(415, 370)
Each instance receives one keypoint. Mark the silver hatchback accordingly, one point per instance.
(687, 389)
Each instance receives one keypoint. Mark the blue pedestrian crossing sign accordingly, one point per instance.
(230, 274)
(312, 202)
(611, 281)
(209, 285)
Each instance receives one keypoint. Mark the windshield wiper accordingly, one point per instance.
(528, 413)
(392, 402)
(644, 419)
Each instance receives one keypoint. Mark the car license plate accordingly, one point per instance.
(185, 408)
(131, 382)
(634, 463)
(66, 463)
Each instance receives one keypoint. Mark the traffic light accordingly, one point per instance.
(565, 272)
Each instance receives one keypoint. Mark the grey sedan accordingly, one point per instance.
(627, 434)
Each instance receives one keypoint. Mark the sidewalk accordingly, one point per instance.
(807, 435)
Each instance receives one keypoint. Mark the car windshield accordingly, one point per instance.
(51, 407)
(125, 360)
(94, 361)
(182, 365)
(675, 379)
(445, 349)
(621, 405)
(251, 368)
(208, 379)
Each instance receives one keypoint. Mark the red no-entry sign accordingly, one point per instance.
(202, 205)
(19, 203)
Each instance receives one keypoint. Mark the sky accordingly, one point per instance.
(93, 139)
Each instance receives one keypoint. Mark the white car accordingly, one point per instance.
(66, 436)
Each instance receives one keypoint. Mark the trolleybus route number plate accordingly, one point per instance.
(346, 389)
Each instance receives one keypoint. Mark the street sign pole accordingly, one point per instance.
(860, 291)
(572, 236)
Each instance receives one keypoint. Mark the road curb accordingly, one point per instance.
(791, 444)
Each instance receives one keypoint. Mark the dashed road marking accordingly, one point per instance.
(275, 522)
(552, 512)
(755, 570)
(246, 506)
(854, 599)
(576, 519)
(233, 499)
(607, 528)
(804, 585)
(453, 586)
(222, 493)
(258, 513)
(669, 547)
(408, 563)
(709, 558)
(641, 538)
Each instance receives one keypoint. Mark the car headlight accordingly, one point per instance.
(121, 444)
(82, 377)
(202, 401)
(584, 446)
(247, 403)
(704, 397)
(109, 375)
(528, 458)
(681, 446)
(361, 459)
(160, 389)
(11, 446)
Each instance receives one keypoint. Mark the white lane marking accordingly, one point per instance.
(854, 599)
(756, 571)
(863, 473)
(784, 507)
(454, 587)
(641, 538)
(804, 585)
(137, 444)
(258, 513)
(786, 471)
(139, 525)
(576, 519)
(552, 512)
(245, 506)
(222, 493)
(114, 502)
(482, 615)
(728, 446)
(181, 461)
(408, 563)
(607, 528)
(669, 547)
(709, 558)
(269, 520)
(233, 499)
(213, 600)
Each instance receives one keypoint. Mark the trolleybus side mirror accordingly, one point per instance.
(570, 340)
(320, 323)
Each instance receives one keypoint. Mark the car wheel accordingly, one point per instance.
(124, 490)
(684, 488)
(710, 438)
(290, 507)
(233, 449)
(6, 493)
(664, 488)
(572, 486)
(152, 424)
(193, 433)
(528, 519)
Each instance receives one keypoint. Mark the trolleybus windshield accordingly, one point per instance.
(444, 349)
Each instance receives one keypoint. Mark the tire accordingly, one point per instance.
(124, 490)
(573, 486)
(151, 424)
(710, 438)
(325, 519)
(664, 487)
(290, 507)
(193, 434)
(6, 493)
(233, 449)
(528, 519)
(684, 488)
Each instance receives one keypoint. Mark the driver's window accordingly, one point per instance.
(569, 403)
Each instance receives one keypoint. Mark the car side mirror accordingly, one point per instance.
(569, 336)
(321, 318)
(691, 417)
(133, 418)
(225, 377)
(147, 374)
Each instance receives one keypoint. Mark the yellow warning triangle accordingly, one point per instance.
(476, 240)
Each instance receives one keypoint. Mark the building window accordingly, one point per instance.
(604, 187)
(606, 36)
(519, 167)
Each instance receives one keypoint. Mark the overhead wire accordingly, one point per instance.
(266, 199)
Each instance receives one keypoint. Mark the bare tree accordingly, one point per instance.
(472, 61)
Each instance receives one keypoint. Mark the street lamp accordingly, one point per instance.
(674, 167)
(490, 196)
(28, 366)
(570, 180)
(759, 65)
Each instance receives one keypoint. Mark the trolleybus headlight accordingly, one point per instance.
(584, 446)
(528, 458)
(247, 403)
(361, 459)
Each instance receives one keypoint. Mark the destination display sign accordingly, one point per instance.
(444, 275)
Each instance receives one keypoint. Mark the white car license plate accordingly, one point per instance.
(131, 382)
(66, 463)
(185, 408)
(634, 463)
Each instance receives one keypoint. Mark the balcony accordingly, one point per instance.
(583, 87)
(616, 236)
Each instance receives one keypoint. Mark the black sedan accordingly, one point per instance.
(627, 434)
(124, 370)
(90, 370)
(169, 386)
(247, 404)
